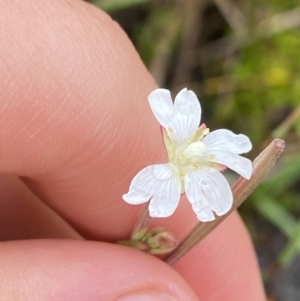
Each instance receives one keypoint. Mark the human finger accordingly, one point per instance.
(64, 270)
(75, 119)
(24, 216)
(224, 266)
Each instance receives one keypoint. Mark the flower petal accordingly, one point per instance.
(205, 215)
(188, 106)
(207, 192)
(239, 164)
(226, 140)
(196, 197)
(182, 119)
(159, 182)
(223, 147)
(162, 106)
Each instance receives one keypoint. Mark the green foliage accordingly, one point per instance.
(276, 200)
(266, 81)
(113, 5)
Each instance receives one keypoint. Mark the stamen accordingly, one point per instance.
(211, 156)
(205, 131)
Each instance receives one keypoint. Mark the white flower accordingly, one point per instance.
(195, 159)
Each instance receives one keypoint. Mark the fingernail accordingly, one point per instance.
(147, 296)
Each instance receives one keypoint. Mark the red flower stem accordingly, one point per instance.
(142, 225)
(240, 190)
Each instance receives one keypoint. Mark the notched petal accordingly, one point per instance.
(225, 140)
(159, 183)
(180, 120)
(167, 195)
(242, 166)
(187, 103)
(205, 215)
(207, 192)
(239, 164)
(187, 115)
(224, 147)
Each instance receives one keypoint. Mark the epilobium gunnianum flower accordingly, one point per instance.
(196, 158)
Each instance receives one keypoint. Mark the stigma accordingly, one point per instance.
(195, 149)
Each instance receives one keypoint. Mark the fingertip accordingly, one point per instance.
(24, 216)
(75, 117)
(227, 259)
(80, 270)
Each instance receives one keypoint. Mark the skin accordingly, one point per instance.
(75, 128)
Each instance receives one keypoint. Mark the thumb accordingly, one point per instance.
(80, 270)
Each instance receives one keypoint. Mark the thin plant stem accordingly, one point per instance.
(285, 126)
(240, 190)
(142, 225)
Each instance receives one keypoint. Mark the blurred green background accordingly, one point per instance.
(242, 58)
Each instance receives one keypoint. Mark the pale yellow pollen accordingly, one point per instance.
(171, 130)
(189, 155)
(200, 134)
(205, 132)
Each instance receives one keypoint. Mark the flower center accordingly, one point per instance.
(189, 155)
(194, 149)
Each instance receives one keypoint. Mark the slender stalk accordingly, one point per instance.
(142, 225)
(240, 190)
(285, 126)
